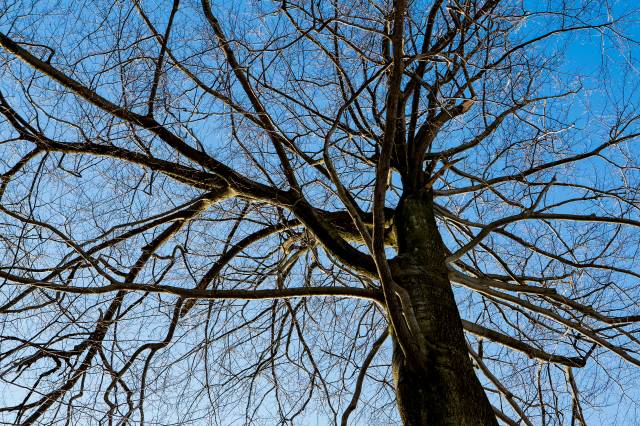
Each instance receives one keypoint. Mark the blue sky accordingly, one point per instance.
(604, 66)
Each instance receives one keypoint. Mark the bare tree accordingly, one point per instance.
(274, 211)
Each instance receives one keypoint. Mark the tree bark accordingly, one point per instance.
(446, 391)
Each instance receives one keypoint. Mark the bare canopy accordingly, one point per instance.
(272, 212)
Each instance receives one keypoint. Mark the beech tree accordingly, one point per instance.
(288, 212)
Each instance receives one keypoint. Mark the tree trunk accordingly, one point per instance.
(447, 392)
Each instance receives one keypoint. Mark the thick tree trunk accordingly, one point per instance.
(447, 392)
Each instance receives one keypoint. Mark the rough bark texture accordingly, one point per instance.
(448, 391)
